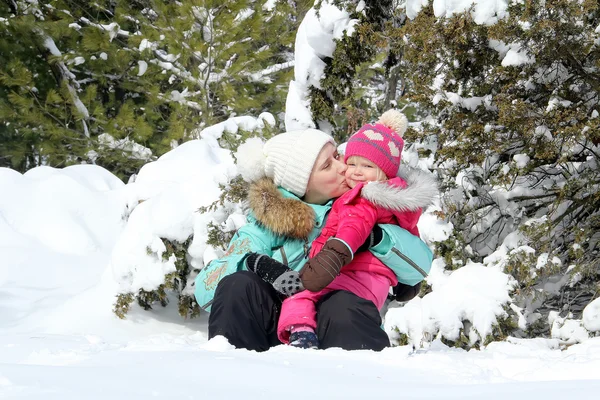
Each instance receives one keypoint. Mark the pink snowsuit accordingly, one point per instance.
(351, 219)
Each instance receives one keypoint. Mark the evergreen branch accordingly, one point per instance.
(256, 76)
(190, 104)
(49, 114)
(173, 67)
(536, 197)
(62, 74)
(585, 146)
(483, 237)
(111, 29)
(573, 207)
(176, 71)
(486, 200)
(106, 10)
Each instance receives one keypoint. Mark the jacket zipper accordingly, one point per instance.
(409, 261)
(283, 256)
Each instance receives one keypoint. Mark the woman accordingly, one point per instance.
(295, 176)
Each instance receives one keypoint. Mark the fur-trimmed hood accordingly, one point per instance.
(289, 216)
(286, 216)
(421, 191)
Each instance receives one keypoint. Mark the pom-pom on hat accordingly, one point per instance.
(287, 158)
(381, 143)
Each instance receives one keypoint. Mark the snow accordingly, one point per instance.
(146, 44)
(128, 146)
(591, 316)
(142, 67)
(51, 46)
(512, 54)
(232, 125)
(470, 103)
(568, 330)
(521, 159)
(516, 57)
(112, 29)
(474, 293)
(484, 12)
(164, 199)
(315, 40)
(269, 5)
(72, 238)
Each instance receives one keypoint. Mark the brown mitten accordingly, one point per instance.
(322, 269)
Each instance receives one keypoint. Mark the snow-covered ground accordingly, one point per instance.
(63, 236)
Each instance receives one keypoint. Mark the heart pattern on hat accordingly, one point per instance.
(371, 134)
(394, 151)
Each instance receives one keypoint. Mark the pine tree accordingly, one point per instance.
(362, 78)
(117, 82)
(510, 112)
(515, 120)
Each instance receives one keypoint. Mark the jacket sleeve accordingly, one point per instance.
(404, 253)
(356, 223)
(249, 238)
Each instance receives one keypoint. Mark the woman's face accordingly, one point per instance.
(327, 179)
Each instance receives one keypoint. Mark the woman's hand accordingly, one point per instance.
(283, 279)
(404, 292)
(374, 238)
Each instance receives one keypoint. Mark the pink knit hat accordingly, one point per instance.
(380, 143)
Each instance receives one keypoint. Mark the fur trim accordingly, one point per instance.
(251, 159)
(283, 216)
(421, 191)
(394, 120)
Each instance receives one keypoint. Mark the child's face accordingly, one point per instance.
(362, 170)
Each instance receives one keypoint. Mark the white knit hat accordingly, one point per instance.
(287, 158)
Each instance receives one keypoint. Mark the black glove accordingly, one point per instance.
(283, 279)
(404, 292)
(374, 238)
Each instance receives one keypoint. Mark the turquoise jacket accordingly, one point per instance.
(407, 255)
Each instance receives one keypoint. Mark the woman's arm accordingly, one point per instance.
(404, 253)
(248, 239)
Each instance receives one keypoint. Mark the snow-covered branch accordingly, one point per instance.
(177, 97)
(64, 75)
(113, 28)
(257, 76)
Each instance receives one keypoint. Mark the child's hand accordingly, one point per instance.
(322, 269)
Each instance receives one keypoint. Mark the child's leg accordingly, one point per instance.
(299, 312)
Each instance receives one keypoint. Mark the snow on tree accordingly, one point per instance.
(507, 116)
(512, 93)
(183, 210)
(83, 82)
